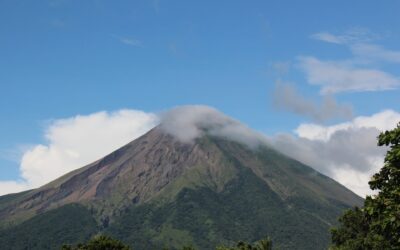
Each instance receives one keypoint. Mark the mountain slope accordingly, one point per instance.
(159, 190)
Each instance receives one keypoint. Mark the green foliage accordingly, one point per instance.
(188, 248)
(102, 242)
(99, 242)
(66, 225)
(264, 244)
(377, 224)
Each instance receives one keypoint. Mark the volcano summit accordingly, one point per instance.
(198, 178)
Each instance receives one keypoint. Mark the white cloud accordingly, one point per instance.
(130, 41)
(375, 52)
(190, 122)
(382, 121)
(357, 73)
(328, 37)
(354, 180)
(336, 76)
(287, 98)
(75, 142)
(346, 152)
(7, 187)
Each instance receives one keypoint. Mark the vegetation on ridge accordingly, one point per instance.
(102, 242)
(99, 242)
(376, 226)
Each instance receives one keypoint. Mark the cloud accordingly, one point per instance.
(328, 37)
(343, 76)
(382, 121)
(375, 53)
(80, 140)
(75, 142)
(287, 98)
(351, 36)
(131, 41)
(190, 122)
(357, 73)
(7, 187)
(360, 42)
(346, 152)
(128, 40)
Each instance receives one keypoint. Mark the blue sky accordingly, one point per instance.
(61, 58)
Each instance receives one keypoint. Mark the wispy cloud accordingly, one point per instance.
(286, 97)
(361, 43)
(345, 76)
(375, 53)
(129, 41)
(351, 36)
(356, 73)
(328, 37)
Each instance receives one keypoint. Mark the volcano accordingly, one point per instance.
(171, 188)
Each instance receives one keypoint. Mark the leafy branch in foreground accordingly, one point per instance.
(377, 224)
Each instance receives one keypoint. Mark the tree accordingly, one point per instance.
(99, 242)
(264, 244)
(102, 242)
(377, 224)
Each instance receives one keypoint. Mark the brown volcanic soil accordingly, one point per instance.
(132, 174)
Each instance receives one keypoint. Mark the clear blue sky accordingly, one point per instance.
(60, 58)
